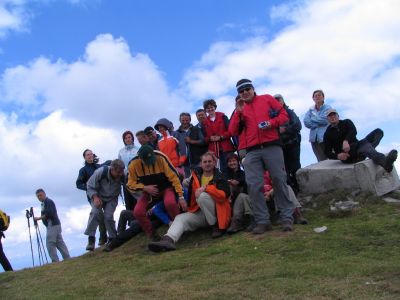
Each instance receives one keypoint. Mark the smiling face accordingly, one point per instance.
(208, 163)
(247, 94)
(185, 122)
(210, 110)
(233, 163)
(201, 115)
(318, 98)
(333, 118)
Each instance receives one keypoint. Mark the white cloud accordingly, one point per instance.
(107, 87)
(350, 49)
(13, 16)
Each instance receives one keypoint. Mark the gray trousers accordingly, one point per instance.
(256, 162)
(188, 221)
(242, 206)
(319, 150)
(106, 212)
(54, 241)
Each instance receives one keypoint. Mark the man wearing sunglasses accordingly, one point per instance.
(257, 119)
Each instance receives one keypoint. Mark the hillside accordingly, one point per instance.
(356, 258)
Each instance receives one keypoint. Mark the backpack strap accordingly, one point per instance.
(104, 173)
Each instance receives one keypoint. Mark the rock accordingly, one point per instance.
(391, 200)
(330, 175)
(344, 206)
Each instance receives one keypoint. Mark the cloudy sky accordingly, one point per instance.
(76, 74)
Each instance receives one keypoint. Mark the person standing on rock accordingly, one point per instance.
(341, 143)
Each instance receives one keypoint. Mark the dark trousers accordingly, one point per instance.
(3, 259)
(125, 217)
(127, 234)
(366, 147)
(130, 201)
(291, 155)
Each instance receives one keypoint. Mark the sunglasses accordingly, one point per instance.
(246, 89)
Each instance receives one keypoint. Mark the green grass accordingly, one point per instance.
(356, 258)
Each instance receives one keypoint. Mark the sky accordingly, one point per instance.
(75, 74)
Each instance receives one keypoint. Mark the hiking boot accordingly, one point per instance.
(261, 228)
(390, 159)
(236, 226)
(103, 239)
(216, 232)
(165, 244)
(298, 217)
(108, 248)
(91, 243)
(251, 224)
(287, 225)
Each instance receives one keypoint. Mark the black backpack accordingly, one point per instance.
(4, 221)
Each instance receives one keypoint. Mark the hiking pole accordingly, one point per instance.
(39, 241)
(27, 214)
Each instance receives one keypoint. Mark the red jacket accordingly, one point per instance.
(220, 128)
(245, 123)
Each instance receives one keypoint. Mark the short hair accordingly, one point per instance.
(148, 129)
(40, 190)
(209, 102)
(318, 91)
(232, 155)
(140, 133)
(209, 153)
(184, 114)
(117, 165)
(200, 110)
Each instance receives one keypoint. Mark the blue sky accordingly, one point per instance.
(76, 74)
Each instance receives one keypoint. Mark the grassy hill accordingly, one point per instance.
(358, 257)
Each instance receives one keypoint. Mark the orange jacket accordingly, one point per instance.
(218, 189)
(169, 145)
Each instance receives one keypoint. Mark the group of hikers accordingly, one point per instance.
(229, 174)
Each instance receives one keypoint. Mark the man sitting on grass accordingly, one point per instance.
(208, 205)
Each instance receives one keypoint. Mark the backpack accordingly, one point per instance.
(4, 221)
(105, 172)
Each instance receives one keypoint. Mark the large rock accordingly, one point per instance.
(329, 175)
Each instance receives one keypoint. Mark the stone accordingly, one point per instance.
(391, 200)
(331, 175)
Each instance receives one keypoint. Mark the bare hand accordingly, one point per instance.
(97, 201)
(151, 189)
(182, 204)
(188, 140)
(343, 156)
(239, 105)
(282, 129)
(233, 182)
(346, 146)
(199, 191)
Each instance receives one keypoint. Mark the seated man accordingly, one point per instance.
(341, 143)
(208, 205)
(152, 173)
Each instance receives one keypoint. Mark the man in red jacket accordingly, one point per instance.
(257, 120)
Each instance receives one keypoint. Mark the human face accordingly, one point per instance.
(142, 139)
(89, 157)
(201, 115)
(161, 129)
(185, 122)
(210, 110)
(333, 118)
(247, 94)
(152, 136)
(207, 163)
(41, 196)
(116, 173)
(318, 98)
(128, 139)
(233, 164)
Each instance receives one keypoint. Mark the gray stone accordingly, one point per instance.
(344, 206)
(391, 200)
(330, 175)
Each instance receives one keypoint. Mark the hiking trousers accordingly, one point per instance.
(106, 212)
(54, 241)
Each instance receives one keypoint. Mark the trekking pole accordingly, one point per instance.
(39, 249)
(30, 237)
(41, 242)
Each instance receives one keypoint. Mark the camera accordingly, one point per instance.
(263, 124)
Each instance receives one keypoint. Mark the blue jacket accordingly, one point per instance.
(317, 122)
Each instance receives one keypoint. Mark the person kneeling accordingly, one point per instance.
(208, 205)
